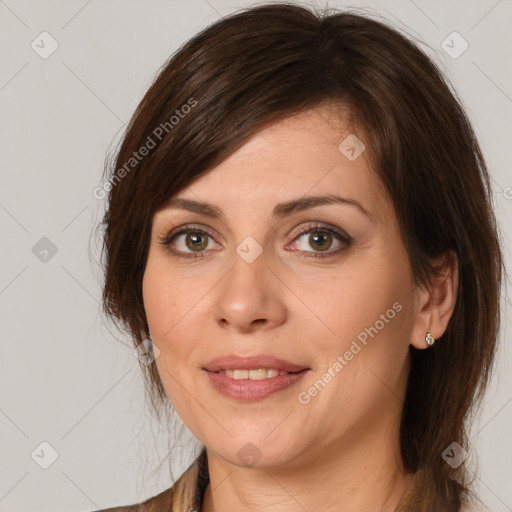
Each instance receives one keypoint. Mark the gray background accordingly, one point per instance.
(65, 378)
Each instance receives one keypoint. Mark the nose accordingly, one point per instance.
(250, 297)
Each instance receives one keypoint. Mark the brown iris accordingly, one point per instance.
(322, 240)
(193, 241)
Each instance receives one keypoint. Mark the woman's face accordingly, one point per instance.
(324, 286)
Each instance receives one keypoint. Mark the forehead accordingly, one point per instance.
(310, 153)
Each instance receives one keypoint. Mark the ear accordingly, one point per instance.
(435, 304)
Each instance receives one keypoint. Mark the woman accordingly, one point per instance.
(300, 232)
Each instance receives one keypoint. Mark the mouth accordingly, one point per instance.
(252, 367)
(258, 374)
(252, 378)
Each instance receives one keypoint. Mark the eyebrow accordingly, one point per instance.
(280, 210)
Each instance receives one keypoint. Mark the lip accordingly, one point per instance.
(247, 390)
(233, 362)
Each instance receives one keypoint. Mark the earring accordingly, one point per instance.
(429, 339)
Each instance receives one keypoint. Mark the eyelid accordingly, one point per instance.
(310, 226)
(322, 226)
(167, 238)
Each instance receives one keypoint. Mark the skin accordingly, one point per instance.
(342, 447)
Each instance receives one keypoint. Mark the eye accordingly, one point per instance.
(193, 242)
(190, 242)
(321, 238)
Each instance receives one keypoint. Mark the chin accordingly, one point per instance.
(257, 452)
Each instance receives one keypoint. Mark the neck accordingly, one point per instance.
(364, 474)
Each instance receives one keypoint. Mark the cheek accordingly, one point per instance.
(363, 295)
(164, 308)
(159, 304)
(381, 308)
(175, 313)
(366, 306)
(166, 300)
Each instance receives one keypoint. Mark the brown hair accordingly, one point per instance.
(268, 62)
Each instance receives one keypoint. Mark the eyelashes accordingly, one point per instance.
(321, 229)
(188, 230)
(199, 236)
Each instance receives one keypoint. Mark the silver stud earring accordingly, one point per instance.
(429, 339)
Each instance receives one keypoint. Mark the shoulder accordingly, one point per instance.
(190, 486)
(419, 496)
(158, 503)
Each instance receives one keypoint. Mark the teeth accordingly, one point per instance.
(261, 373)
(240, 374)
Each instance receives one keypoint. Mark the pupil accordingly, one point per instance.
(317, 236)
(195, 241)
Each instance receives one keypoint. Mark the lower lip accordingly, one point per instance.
(248, 390)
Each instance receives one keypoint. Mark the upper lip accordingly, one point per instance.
(233, 362)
